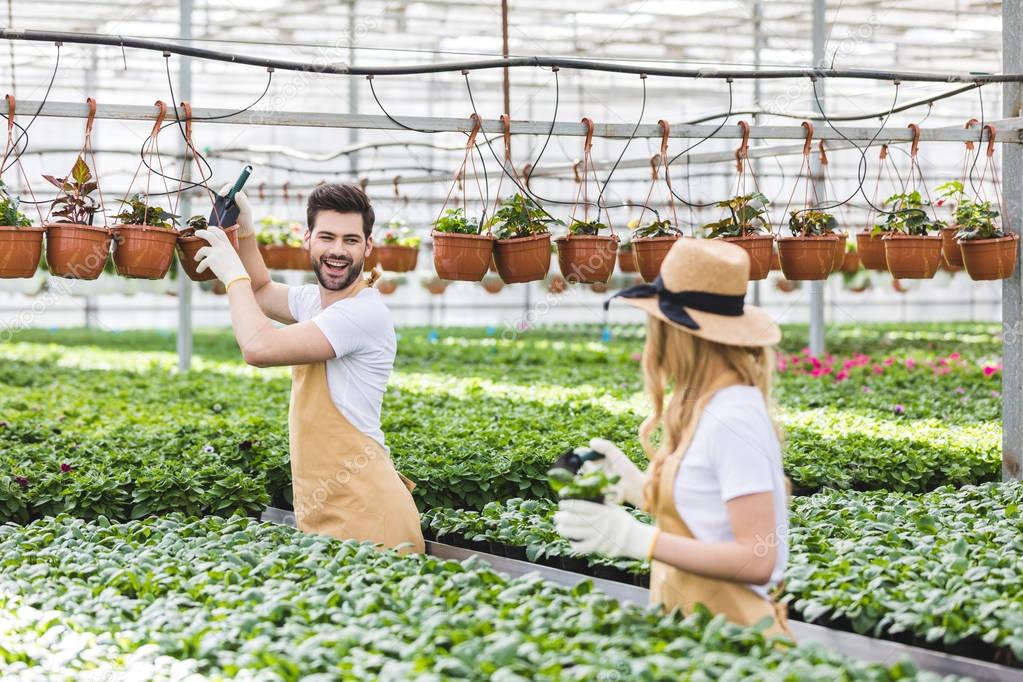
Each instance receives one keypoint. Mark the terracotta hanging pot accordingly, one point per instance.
(77, 251)
(557, 284)
(20, 249)
(189, 244)
(851, 262)
(807, 258)
(871, 250)
(912, 256)
(950, 248)
(987, 259)
(143, 251)
(387, 286)
(599, 287)
(395, 258)
(436, 285)
(839, 251)
(462, 257)
(492, 285)
(372, 260)
(525, 259)
(650, 253)
(282, 257)
(587, 258)
(786, 286)
(626, 259)
(760, 248)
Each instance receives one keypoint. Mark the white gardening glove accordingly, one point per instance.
(220, 256)
(245, 226)
(606, 529)
(629, 488)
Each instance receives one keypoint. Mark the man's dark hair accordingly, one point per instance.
(342, 198)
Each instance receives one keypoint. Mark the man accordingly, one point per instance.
(340, 342)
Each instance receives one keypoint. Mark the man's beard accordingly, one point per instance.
(333, 283)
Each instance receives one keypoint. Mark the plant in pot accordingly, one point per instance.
(650, 244)
(281, 244)
(189, 245)
(626, 256)
(21, 244)
(523, 248)
(851, 259)
(950, 192)
(746, 225)
(584, 254)
(388, 285)
(809, 254)
(436, 285)
(910, 250)
(398, 248)
(74, 247)
(988, 252)
(492, 283)
(144, 240)
(460, 251)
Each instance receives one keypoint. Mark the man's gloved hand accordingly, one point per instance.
(245, 226)
(629, 489)
(219, 256)
(606, 529)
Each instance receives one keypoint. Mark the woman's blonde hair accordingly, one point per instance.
(685, 365)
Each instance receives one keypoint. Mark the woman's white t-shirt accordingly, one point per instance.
(362, 334)
(734, 452)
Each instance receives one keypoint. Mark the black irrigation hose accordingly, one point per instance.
(688, 149)
(24, 130)
(581, 64)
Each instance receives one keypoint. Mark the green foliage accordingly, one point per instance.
(519, 216)
(272, 231)
(454, 221)
(198, 222)
(976, 220)
(138, 212)
(908, 215)
(10, 215)
(585, 227)
(75, 204)
(812, 223)
(746, 215)
(397, 234)
(590, 485)
(233, 598)
(658, 228)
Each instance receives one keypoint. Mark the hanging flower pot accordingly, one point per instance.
(144, 241)
(281, 257)
(986, 251)
(785, 286)
(460, 252)
(556, 284)
(760, 248)
(746, 226)
(626, 257)
(387, 286)
(912, 256)
(839, 251)
(20, 249)
(436, 285)
(871, 249)
(599, 287)
(851, 262)
(810, 253)
(281, 244)
(987, 259)
(397, 248)
(74, 247)
(492, 284)
(372, 260)
(586, 256)
(189, 245)
(523, 248)
(651, 244)
(950, 251)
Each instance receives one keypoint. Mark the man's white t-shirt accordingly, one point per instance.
(734, 452)
(362, 335)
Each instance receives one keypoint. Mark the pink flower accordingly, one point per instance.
(868, 389)
(940, 202)
(820, 371)
(899, 409)
(795, 359)
(22, 481)
(878, 369)
(953, 356)
(910, 363)
(842, 376)
(66, 468)
(960, 390)
(990, 370)
(848, 364)
(889, 361)
(637, 357)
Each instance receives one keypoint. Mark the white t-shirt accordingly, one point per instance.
(362, 334)
(734, 452)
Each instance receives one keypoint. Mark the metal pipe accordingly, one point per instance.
(184, 340)
(816, 341)
(506, 84)
(1012, 288)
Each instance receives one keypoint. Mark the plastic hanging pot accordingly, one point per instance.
(911, 256)
(189, 244)
(77, 251)
(492, 284)
(20, 249)
(283, 257)
(851, 262)
(839, 251)
(143, 251)
(760, 248)
(950, 248)
(807, 258)
(587, 258)
(387, 286)
(650, 253)
(626, 259)
(372, 260)
(524, 259)
(871, 250)
(394, 258)
(987, 259)
(462, 257)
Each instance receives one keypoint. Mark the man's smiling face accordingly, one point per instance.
(337, 248)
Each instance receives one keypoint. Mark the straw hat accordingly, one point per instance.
(701, 290)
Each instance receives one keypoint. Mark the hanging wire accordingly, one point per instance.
(973, 166)
(694, 146)
(391, 118)
(24, 131)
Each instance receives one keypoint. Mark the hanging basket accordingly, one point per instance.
(525, 259)
(77, 251)
(807, 258)
(626, 259)
(282, 257)
(189, 245)
(387, 286)
(912, 256)
(650, 253)
(557, 284)
(492, 284)
(372, 260)
(760, 248)
(950, 248)
(20, 249)
(987, 259)
(871, 250)
(398, 258)
(839, 251)
(587, 258)
(143, 251)
(851, 262)
(462, 257)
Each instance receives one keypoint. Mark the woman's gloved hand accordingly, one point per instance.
(629, 489)
(605, 529)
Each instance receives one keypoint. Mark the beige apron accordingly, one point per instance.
(344, 482)
(675, 588)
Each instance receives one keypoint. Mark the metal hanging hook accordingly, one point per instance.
(808, 140)
(990, 130)
(969, 124)
(915, 147)
(588, 142)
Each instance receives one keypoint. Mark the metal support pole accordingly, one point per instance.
(184, 340)
(817, 288)
(1012, 288)
(90, 87)
(504, 52)
(758, 47)
(353, 90)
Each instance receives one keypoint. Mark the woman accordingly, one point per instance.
(715, 485)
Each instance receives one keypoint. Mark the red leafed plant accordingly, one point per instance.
(75, 204)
